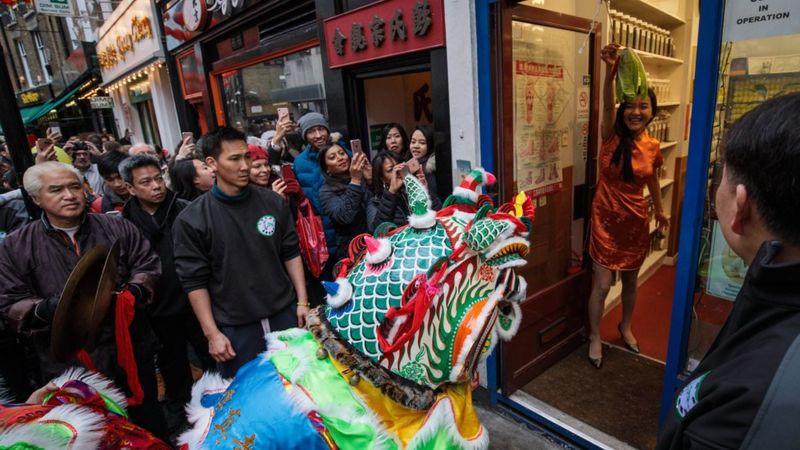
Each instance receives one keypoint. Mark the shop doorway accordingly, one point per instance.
(548, 141)
(404, 99)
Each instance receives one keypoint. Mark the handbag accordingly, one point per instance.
(311, 234)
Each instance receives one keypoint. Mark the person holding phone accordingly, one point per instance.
(49, 149)
(344, 196)
(421, 146)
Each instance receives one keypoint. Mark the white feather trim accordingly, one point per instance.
(502, 241)
(198, 415)
(300, 401)
(96, 381)
(87, 426)
(522, 290)
(424, 221)
(5, 396)
(488, 308)
(343, 295)
(516, 320)
(441, 418)
(382, 254)
(466, 193)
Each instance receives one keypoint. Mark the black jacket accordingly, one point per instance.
(169, 298)
(346, 205)
(717, 404)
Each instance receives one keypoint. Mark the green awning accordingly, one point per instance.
(49, 106)
(28, 112)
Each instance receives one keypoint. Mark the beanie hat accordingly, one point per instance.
(257, 152)
(311, 120)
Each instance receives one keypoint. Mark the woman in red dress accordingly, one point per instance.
(629, 159)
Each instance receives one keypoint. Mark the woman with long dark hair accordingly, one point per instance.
(344, 196)
(394, 139)
(620, 236)
(423, 149)
(191, 178)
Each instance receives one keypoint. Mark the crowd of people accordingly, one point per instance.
(202, 232)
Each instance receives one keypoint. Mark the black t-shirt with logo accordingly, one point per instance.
(236, 248)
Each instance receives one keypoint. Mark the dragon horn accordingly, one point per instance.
(419, 204)
(468, 189)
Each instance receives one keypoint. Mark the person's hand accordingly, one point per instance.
(366, 171)
(609, 54)
(357, 168)
(44, 311)
(48, 153)
(187, 149)
(220, 348)
(302, 312)
(38, 396)
(53, 135)
(93, 148)
(397, 183)
(279, 187)
(662, 221)
(420, 174)
(283, 126)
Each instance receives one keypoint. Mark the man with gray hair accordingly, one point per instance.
(37, 259)
(143, 149)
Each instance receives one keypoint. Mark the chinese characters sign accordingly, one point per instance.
(388, 28)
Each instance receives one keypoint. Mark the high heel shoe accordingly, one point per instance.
(632, 347)
(596, 362)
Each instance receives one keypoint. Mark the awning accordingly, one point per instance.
(26, 113)
(50, 105)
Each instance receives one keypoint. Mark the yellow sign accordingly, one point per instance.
(30, 97)
(114, 53)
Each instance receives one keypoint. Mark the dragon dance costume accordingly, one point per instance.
(86, 411)
(388, 362)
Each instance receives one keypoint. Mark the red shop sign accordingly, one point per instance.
(382, 29)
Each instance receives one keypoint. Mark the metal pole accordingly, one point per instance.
(14, 130)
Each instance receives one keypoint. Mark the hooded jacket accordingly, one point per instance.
(346, 205)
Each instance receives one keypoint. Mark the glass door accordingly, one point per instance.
(549, 124)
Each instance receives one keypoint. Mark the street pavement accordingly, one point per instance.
(505, 433)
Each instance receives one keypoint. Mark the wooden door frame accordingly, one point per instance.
(504, 153)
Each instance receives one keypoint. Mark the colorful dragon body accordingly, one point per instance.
(388, 362)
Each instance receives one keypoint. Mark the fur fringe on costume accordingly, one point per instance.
(85, 430)
(198, 415)
(488, 308)
(516, 320)
(96, 381)
(441, 417)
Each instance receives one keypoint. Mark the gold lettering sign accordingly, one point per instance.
(30, 97)
(114, 53)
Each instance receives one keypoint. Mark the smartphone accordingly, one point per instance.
(54, 127)
(282, 112)
(355, 146)
(43, 142)
(187, 134)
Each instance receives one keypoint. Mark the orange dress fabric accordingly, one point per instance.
(620, 230)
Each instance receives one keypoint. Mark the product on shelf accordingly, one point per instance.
(629, 31)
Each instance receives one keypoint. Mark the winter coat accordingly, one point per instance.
(169, 300)
(37, 259)
(309, 175)
(346, 206)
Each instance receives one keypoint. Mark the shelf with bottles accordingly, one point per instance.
(648, 39)
(654, 14)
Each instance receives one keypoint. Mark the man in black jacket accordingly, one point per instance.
(757, 206)
(153, 209)
(237, 258)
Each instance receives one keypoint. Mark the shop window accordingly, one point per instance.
(251, 95)
(26, 68)
(191, 75)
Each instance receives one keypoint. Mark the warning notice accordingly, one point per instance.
(751, 19)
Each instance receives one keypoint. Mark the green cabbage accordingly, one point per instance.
(631, 78)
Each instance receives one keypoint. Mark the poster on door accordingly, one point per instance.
(541, 128)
